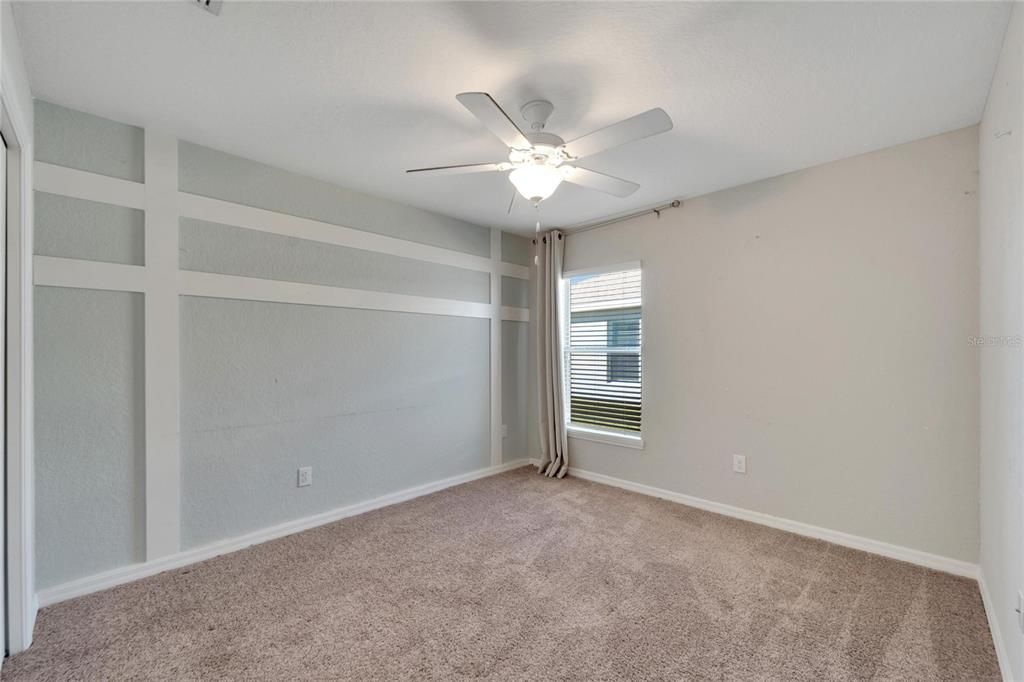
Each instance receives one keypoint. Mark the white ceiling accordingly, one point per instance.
(356, 93)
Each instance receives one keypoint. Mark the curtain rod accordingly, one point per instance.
(675, 203)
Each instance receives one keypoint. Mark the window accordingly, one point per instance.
(602, 356)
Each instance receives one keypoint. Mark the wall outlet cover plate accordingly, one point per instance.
(739, 464)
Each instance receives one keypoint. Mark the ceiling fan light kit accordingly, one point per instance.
(539, 161)
(536, 181)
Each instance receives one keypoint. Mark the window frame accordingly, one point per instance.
(605, 435)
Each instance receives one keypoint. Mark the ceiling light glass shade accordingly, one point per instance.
(536, 182)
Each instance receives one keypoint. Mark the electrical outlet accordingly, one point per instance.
(739, 464)
(305, 476)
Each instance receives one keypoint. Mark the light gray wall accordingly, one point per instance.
(1002, 480)
(89, 432)
(515, 400)
(77, 140)
(89, 397)
(817, 323)
(374, 401)
(210, 247)
(74, 228)
(515, 291)
(215, 174)
(518, 402)
(516, 249)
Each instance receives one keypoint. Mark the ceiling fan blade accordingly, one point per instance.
(494, 118)
(464, 168)
(635, 128)
(599, 181)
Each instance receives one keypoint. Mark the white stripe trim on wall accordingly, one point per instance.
(497, 435)
(162, 283)
(81, 184)
(162, 336)
(237, 215)
(213, 285)
(74, 273)
(51, 271)
(513, 270)
(515, 314)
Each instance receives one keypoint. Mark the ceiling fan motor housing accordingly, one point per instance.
(546, 149)
(545, 140)
(536, 113)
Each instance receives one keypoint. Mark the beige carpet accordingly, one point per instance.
(522, 577)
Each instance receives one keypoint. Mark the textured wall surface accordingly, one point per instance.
(89, 397)
(1002, 403)
(374, 401)
(210, 247)
(74, 228)
(515, 400)
(216, 174)
(519, 404)
(89, 436)
(817, 323)
(71, 138)
(516, 249)
(515, 291)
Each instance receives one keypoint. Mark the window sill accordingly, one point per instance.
(606, 437)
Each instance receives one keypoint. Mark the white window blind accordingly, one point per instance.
(603, 358)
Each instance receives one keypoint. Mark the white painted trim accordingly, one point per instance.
(163, 459)
(238, 215)
(16, 106)
(51, 271)
(72, 273)
(602, 436)
(913, 556)
(162, 282)
(118, 576)
(71, 182)
(515, 313)
(497, 418)
(602, 269)
(513, 270)
(10, 185)
(212, 285)
(993, 624)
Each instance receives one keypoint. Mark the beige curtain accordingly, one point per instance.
(553, 443)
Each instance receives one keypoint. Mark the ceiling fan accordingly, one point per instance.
(539, 160)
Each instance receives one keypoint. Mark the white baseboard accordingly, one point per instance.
(119, 576)
(993, 624)
(913, 556)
